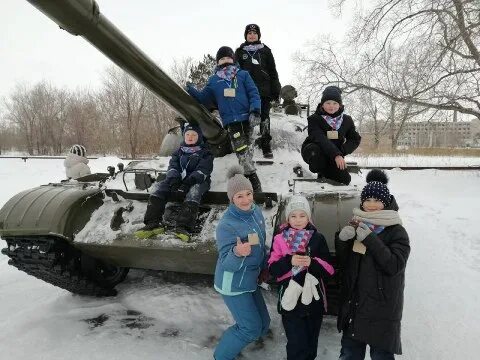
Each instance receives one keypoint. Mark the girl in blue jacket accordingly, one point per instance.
(238, 101)
(242, 256)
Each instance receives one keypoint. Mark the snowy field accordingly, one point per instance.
(154, 317)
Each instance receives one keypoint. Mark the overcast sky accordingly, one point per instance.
(32, 47)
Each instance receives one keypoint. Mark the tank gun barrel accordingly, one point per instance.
(83, 17)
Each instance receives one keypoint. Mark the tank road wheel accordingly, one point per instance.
(105, 275)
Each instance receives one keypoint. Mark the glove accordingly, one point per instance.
(291, 295)
(254, 119)
(190, 180)
(362, 231)
(174, 183)
(183, 188)
(309, 290)
(347, 233)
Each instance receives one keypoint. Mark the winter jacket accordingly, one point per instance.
(232, 109)
(76, 166)
(238, 274)
(280, 266)
(348, 137)
(371, 301)
(263, 71)
(192, 168)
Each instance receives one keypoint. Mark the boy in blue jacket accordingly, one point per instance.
(189, 174)
(238, 101)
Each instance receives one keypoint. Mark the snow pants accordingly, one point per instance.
(162, 190)
(252, 321)
(355, 350)
(240, 134)
(265, 121)
(318, 162)
(302, 335)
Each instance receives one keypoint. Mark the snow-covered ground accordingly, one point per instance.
(155, 317)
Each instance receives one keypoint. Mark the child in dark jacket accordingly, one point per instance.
(372, 253)
(331, 136)
(188, 174)
(300, 261)
(238, 101)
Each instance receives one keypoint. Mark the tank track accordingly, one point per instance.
(54, 261)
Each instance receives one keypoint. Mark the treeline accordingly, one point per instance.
(121, 118)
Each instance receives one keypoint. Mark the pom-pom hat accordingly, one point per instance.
(79, 150)
(376, 187)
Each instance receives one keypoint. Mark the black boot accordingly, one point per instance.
(267, 149)
(153, 218)
(257, 186)
(186, 220)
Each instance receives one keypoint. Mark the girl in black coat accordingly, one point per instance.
(372, 253)
(331, 136)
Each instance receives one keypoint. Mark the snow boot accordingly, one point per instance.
(186, 220)
(267, 149)
(257, 186)
(153, 218)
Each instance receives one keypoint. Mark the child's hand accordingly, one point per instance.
(301, 260)
(347, 233)
(362, 231)
(242, 249)
(340, 161)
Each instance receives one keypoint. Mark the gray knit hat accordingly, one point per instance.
(298, 202)
(236, 181)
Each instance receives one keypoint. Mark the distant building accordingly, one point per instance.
(441, 134)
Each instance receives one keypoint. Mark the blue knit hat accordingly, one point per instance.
(193, 127)
(376, 187)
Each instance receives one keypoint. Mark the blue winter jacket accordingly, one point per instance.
(232, 109)
(238, 274)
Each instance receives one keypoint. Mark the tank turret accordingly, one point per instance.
(83, 18)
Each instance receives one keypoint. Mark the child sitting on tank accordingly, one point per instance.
(188, 174)
(331, 136)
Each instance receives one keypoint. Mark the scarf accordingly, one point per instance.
(190, 149)
(377, 220)
(227, 72)
(253, 47)
(334, 122)
(297, 241)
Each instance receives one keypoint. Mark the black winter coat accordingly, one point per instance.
(317, 247)
(264, 74)
(371, 300)
(197, 166)
(348, 137)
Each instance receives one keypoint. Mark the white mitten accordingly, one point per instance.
(291, 295)
(309, 289)
(347, 233)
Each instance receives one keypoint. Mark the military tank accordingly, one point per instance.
(78, 235)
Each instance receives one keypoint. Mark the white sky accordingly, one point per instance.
(33, 48)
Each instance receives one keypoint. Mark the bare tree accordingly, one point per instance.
(180, 70)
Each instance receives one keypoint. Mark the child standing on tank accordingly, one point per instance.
(372, 253)
(238, 101)
(76, 162)
(188, 174)
(331, 136)
(300, 261)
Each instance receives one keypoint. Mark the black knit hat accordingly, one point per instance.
(78, 150)
(225, 51)
(196, 128)
(376, 187)
(332, 93)
(252, 27)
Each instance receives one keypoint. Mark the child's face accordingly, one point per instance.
(252, 36)
(243, 199)
(225, 60)
(330, 106)
(298, 219)
(372, 204)
(191, 137)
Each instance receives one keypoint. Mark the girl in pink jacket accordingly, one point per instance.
(300, 262)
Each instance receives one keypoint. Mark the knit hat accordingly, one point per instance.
(225, 51)
(236, 181)
(252, 27)
(79, 150)
(376, 187)
(192, 127)
(298, 202)
(332, 93)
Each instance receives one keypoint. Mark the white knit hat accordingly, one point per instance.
(298, 202)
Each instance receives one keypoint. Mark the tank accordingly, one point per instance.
(78, 235)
